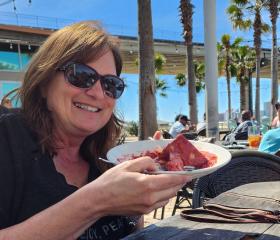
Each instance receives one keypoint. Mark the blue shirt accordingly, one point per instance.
(271, 141)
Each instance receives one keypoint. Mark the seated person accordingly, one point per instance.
(5, 105)
(6, 102)
(276, 121)
(241, 131)
(270, 142)
(179, 126)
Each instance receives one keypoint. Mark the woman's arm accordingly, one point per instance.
(65, 220)
(122, 190)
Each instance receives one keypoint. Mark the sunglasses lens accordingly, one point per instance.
(81, 76)
(113, 86)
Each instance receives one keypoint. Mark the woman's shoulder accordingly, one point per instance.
(12, 120)
(14, 129)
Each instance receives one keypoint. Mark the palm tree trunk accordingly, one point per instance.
(229, 92)
(186, 8)
(147, 99)
(250, 97)
(257, 101)
(257, 45)
(243, 95)
(191, 85)
(274, 63)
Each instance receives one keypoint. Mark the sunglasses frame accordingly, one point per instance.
(101, 78)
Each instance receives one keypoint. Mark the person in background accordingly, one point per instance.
(53, 185)
(177, 117)
(270, 142)
(241, 131)
(180, 126)
(276, 121)
(7, 103)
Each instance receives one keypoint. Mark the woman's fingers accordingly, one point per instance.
(140, 165)
(165, 181)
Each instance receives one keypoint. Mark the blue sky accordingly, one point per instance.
(120, 17)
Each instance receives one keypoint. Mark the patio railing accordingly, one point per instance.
(19, 19)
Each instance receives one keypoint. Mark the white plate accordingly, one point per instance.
(223, 155)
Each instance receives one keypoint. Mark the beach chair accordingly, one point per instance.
(246, 166)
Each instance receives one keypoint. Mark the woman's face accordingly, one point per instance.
(81, 112)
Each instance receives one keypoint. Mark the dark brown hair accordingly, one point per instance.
(81, 42)
(246, 115)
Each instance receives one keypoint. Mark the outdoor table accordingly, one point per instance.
(238, 145)
(178, 228)
(223, 132)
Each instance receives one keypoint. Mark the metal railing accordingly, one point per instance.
(33, 21)
(17, 19)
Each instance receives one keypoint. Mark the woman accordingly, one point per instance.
(50, 180)
(276, 121)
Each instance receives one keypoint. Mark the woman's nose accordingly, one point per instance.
(96, 90)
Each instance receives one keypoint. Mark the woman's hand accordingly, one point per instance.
(126, 190)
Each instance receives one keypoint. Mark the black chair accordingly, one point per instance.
(166, 134)
(184, 195)
(241, 136)
(162, 213)
(246, 166)
(190, 135)
(202, 132)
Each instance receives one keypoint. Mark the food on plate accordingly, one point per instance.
(176, 155)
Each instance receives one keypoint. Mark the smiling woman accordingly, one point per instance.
(49, 150)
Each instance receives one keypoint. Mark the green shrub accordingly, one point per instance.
(132, 128)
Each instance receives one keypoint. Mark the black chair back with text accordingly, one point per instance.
(246, 166)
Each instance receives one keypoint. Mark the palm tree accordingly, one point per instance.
(241, 12)
(225, 49)
(199, 72)
(272, 6)
(186, 10)
(147, 98)
(160, 84)
(244, 63)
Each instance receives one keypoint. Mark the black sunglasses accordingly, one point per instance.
(82, 76)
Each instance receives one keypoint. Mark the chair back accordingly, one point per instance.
(166, 134)
(202, 132)
(246, 166)
(241, 136)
